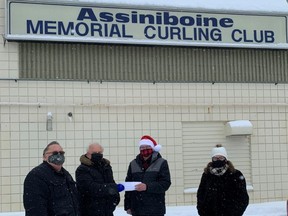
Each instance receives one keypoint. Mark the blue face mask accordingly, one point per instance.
(57, 159)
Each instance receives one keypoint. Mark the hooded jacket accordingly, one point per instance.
(99, 195)
(157, 179)
(223, 195)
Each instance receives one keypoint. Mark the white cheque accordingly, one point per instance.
(129, 186)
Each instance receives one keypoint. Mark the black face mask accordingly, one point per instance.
(57, 159)
(218, 163)
(96, 157)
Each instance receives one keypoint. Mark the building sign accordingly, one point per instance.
(46, 21)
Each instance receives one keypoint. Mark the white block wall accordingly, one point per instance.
(118, 114)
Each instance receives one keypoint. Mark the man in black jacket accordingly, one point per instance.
(99, 195)
(152, 171)
(49, 189)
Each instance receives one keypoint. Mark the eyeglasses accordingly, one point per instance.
(56, 153)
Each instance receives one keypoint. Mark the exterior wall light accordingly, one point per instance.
(49, 126)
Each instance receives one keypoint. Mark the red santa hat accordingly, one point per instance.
(148, 140)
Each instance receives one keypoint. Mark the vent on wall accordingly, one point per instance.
(238, 128)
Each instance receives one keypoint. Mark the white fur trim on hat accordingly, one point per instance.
(157, 148)
(219, 151)
(147, 140)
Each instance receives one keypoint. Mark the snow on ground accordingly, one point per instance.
(261, 209)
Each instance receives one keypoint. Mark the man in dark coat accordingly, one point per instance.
(99, 195)
(49, 189)
(222, 190)
(152, 171)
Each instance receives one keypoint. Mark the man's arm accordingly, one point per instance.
(35, 197)
(86, 183)
(127, 197)
(163, 180)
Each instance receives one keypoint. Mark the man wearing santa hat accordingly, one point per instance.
(152, 171)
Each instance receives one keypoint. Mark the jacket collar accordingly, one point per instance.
(86, 161)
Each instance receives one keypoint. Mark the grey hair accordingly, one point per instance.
(97, 144)
(47, 147)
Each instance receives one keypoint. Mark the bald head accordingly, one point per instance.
(94, 148)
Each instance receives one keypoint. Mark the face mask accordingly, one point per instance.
(57, 159)
(218, 163)
(96, 157)
(146, 152)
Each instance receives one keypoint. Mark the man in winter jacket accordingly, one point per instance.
(222, 190)
(49, 189)
(152, 171)
(99, 195)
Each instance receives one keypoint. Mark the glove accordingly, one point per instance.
(120, 187)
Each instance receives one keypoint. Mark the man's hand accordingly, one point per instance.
(141, 187)
(129, 211)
